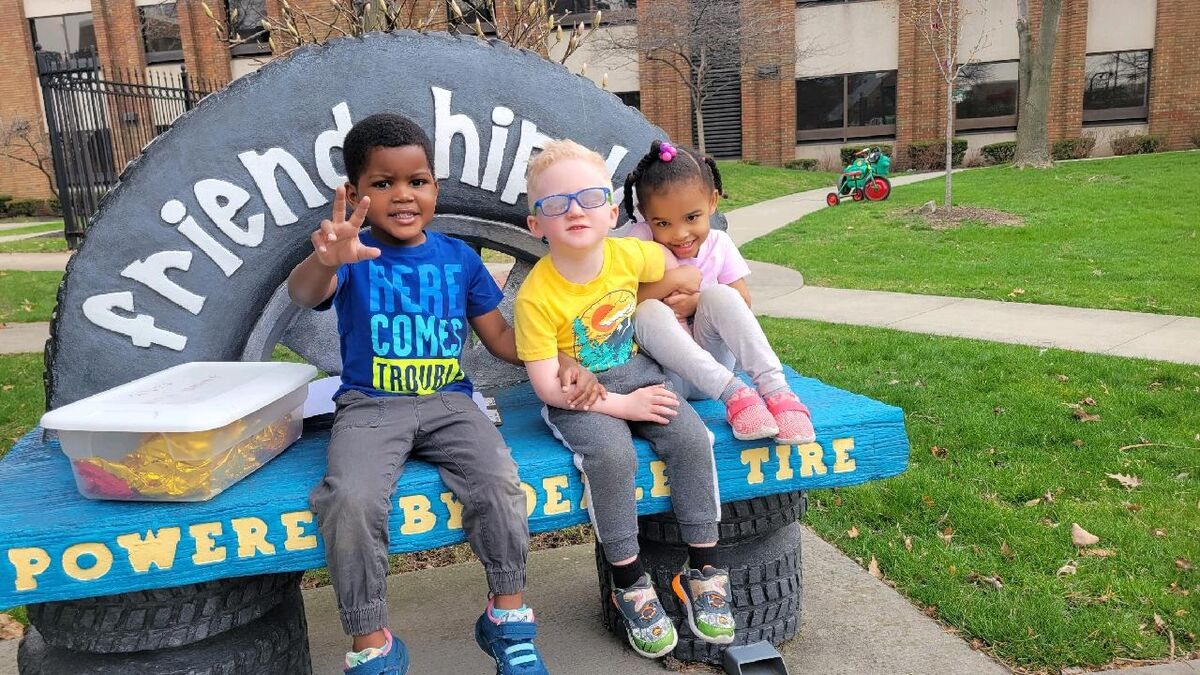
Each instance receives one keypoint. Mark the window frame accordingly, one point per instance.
(165, 56)
(995, 122)
(616, 16)
(1131, 114)
(71, 56)
(843, 133)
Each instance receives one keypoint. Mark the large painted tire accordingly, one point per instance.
(160, 618)
(276, 644)
(765, 579)
(217, 158)
(739, 520)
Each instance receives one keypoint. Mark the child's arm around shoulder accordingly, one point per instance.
(676, 278)
(335, 243)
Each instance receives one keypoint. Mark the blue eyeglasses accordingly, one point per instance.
(556, 205)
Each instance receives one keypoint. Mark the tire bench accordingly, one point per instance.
(62, 546)
(186, 260)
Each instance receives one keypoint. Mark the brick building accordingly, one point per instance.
(860, 73)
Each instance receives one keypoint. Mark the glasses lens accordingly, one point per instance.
(593, 197)
(555, 205)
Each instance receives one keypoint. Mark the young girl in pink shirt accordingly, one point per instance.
(676, 194)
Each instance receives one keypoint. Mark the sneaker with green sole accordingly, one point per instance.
(705, 595)
(648, 627)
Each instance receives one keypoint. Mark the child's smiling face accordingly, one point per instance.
(578, 228)
(678, 215)
(403, 193)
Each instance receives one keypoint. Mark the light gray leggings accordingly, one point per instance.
(724, 330)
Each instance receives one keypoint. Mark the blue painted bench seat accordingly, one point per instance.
(57, 545)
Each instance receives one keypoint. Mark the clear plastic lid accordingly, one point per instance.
(193, 396)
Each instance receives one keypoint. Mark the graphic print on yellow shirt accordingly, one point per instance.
(592, 322)
(604, 332)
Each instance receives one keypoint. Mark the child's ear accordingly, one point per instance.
(532, 223)
(712, 201)
(351, 194)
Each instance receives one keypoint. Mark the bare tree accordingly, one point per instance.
(25, 142)
(698, 39)
(939, 24)
(1033, 80)
(528, 24)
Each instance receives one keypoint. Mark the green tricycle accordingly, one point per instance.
(865, 178)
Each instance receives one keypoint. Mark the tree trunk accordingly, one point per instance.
(1033, 146)
(950, 68)
(699, 125)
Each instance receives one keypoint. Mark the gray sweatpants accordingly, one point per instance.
(604, 452)
(371, 440)
(724, 331)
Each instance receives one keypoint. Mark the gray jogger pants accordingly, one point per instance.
(603, 447)
(724, 331)
(372, 438)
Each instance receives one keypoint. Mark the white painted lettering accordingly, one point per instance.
(327, 141)
(221, 201)
(262, 167)
(501, 118)
(446, 126)
(140, 329)
(153, 273)
(531, 138)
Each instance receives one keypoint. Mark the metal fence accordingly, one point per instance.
(99, 121)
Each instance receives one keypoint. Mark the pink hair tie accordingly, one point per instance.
(667, 152)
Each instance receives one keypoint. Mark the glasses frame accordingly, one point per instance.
(572, 197)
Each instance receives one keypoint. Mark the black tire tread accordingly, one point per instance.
(739, 520)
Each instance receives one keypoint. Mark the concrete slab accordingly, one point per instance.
(21, 338)
(434, 610)
(8, 657)
(35, 262)
(1177, 341)
(767, 281)
(863, 308)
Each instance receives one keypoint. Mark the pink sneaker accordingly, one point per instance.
(748, 416)
(793, 418)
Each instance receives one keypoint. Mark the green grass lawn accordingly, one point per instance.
(34, 245)
(56, 226)
(1118, 233)
(22, 398)
(749, 184)
(1017, 470)
(27, 296)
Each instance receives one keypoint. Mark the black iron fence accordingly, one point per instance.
(99, 121)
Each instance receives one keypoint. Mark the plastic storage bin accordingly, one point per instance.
(185, 433)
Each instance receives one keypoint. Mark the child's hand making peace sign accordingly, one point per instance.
(336, 242)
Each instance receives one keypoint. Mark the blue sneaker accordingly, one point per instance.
(510, 642)
(392, 660)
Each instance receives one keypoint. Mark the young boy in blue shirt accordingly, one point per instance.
(407, 300)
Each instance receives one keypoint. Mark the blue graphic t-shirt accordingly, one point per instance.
(402, 317)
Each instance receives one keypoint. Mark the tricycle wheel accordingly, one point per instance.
(856, 194)
(878, 189)
(832, 199)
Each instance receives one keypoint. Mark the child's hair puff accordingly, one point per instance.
(658, 169)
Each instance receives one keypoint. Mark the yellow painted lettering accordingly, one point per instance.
(207, 550)
(638, 493)
(530, 498)
(555, 504)
(659, 488)
(811, 459)
(29, 563)
(784, 453)
(294, 524)
(455, 507)
(251, 537)
(102, 559)
(843, 462)
(754, 458)
(418, 518)
(156, 548)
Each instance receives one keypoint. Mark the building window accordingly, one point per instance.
(473, 11)
(987, 96)
(842, 107)
(160, 33)
(59, 39)
(633, 99)
(246, 27)
(1116, 86)
(575, 11)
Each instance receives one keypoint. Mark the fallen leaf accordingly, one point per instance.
(1049, 497)
(1158, 532)
(10, 628)
(1181, 613)
(873, 568)
(1069, 568)
(893, 381)
(1088, 401)
(946, 535)
(953, 569)
(938, 452)
(1160, 626)
(983, 580)
(7, 387)
(1184, 564)
(1005, 550)
(931, 611)
(908, 543)
(1081, 537)
(1132, 507)
(837, 500)
(1180, 476)
(1034, 502)
(1078, 442)
(1084, 416)
(852, 533)
(1130, 482)
(927, 500)
(1098, 552)
(977, 644)
(1062, 378)
(998, 410)
(1016, 292)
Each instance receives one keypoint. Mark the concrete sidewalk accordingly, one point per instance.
(35, 262)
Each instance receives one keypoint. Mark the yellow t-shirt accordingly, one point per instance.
(592, 322)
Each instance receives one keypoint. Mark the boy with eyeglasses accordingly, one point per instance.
(580, 299)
